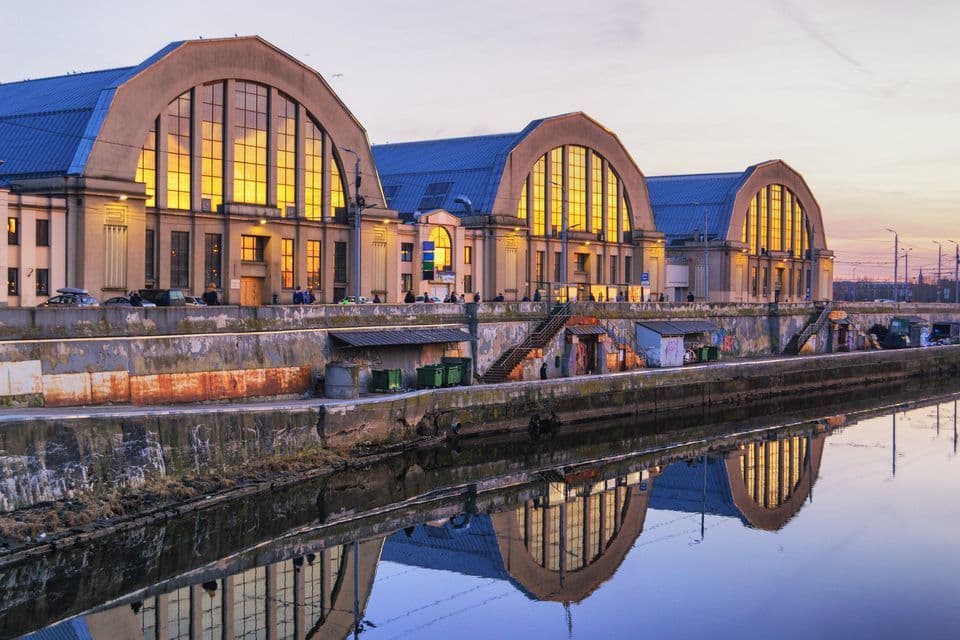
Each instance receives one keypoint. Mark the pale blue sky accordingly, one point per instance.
(859, 96)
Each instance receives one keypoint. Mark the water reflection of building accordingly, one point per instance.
(559, 546)
(310, 596)
(764, 483)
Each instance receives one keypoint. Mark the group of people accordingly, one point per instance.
(453, 298)
(303, 297)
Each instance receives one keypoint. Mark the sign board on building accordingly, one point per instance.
(427, 260)
(678, 276)
(645, 279)
(235, 283)
(449, 278)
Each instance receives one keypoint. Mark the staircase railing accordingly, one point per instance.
(815, 326)
(537, 339)
(620, 337)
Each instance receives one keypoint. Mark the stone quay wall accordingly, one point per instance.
(76, 357)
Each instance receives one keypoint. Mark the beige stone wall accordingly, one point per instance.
(26, 256)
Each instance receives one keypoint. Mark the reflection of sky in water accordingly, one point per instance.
(873, 556)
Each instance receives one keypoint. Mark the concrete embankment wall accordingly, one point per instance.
(218, 356)
(52, 458)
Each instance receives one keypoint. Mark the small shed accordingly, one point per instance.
(664, 342)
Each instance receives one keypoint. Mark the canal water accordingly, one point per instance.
(843, 522)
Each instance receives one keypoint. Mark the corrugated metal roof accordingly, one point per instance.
(399, 337)
(49, 125)
(585, 330)
(474, 165)
(680, 487)
(679, 327)
(679, 202)
(75, 629)
(473, 551)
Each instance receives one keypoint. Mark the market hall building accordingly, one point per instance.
(223, 162)
(559, 208)
(764, 241)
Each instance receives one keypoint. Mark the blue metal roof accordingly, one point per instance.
(471, 551)
(680, 202)
(473, 165)
(75, 629)
(680, 488)
(48, 126)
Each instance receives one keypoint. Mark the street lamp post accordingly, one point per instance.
(939, 253)
(956, 273)
(896, 260)
(358, 212)
(906, 272)
(564, 232)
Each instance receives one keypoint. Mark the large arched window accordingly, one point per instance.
(776, 221)
(442, 253)
(583, 182)
(249, 173)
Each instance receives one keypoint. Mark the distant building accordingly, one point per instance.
(562, 190)
(761, 229)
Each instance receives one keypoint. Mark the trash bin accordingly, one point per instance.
(430, 376)
(714, 353)
(703, 354)
(452, 374)
(466, 367)
(387, 379)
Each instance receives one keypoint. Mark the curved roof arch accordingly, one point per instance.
(490, 170)
(680, 201)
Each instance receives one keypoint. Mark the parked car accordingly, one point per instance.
(164, 297)
(195, 301)
(71, 297)
(431, 299)
(354, 300)
(124, 301)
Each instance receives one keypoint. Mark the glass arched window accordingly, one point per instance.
(249, 173)
(776, 221)
(442, 253)
(582, 182)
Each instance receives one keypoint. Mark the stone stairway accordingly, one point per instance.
(813, 327)
(500, 370)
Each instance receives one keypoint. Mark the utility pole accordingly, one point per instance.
(956, 273)
(896, 260)
(906, 272)
(939, 251)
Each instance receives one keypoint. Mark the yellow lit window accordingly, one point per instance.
(612, 183)
(178, 152)
(286, 154)
(313, 171)
(250, 143)
(522, 205)
(286, 263)
(596, 193)
(577, 188)
(556, 188)
(147, 166)
(539, 196)
(313, 264)
(442, 254)
(211, 146)
(338, 203)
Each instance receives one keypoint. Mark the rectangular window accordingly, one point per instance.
(213, 260)
(286, 112)
(468, 255)
(434, 196)
(380, 267)
(556, 189)
(13, 231)
(250, 143)
(252, 248)
(406, 252)
(539, 197)
(312, 171)
(338, 202)
(178, 152)
(596, 193)
(577, 188)
(43, 233)
(43, 282)
(406, 282)
(313, 264)
(211, 146)
(340, 262)
(787, 221)
(115, 254)
(611, 228)
(765, 280)
(150, 257)
(755, 281)
(147, 166)
(751, 225)
(776, 213)
(540, 267)
(180, 259)
(599, 267)
(13, 281)
(614, 270)
(286, 263)
(764, 222)
(557, 261)
(582, 262)
(628, 270)
(468, 283)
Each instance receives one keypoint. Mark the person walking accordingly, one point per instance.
(210, 297)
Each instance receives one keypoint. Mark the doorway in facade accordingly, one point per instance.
(251, 290)
(586, 355)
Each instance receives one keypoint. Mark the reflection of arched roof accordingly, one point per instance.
(775, 518)
(490, 170)
(680, 201)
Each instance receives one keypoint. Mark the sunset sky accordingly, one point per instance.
(862, 97)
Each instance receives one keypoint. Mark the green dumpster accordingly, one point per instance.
(466, 367)
(714, 353)
(452, 374)
(430, 376)
(387, 379)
